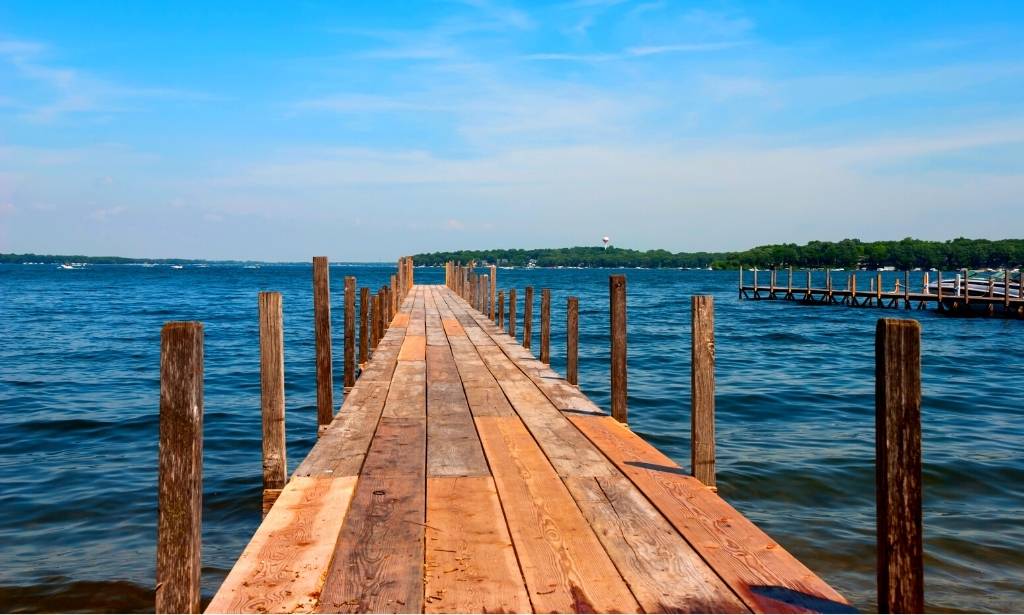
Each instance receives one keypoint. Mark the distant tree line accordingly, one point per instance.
(904, 254)
(93, 260)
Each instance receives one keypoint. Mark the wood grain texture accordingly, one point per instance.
(567, 449)
(528, 318)
(617, 305)
(414, 348)
(180, 478)
(322, 328)
(545, 325)
(512, 313)
(364, 325)
(662, 570)
(407, 397)
(349, 357)
(341, 449)
(453, 448)
(898, 465)
(763, 574)
(471, 566)
(275, 465)
(282, 570)
(378, 561)
(702, 388)
(565, 568)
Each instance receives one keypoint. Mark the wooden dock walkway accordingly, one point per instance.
(959, 295)
(462, 474)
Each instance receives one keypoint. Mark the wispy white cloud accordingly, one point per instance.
(72, 90)
(635, 52)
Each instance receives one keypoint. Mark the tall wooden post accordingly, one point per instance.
(364, 312)
(512, 313)
(394, 297)
(617, 304)
(379, 317)
(494, 288)
(702, 388)
(740, 291)
(898, 466)
(180, 479)
(528, 318)
(906, 289)
(501, 309)
(275, 465)
(572, 340)
(372, 325)
(545, 325)
(938, 287)
(322, 323)
(350, 332)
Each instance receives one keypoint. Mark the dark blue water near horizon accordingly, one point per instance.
(79, 396)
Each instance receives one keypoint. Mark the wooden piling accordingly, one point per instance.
(572, 340)
(180, 478)
(617, 305)
(528, 318)
(275, 465)
(702, 388)
(545, 325)
(938, 288)
(906, 289)
(350, 332)
(322, 323)
(373, 323)
(512, 313)
(364, 312)
(394, 297)
(898, 466)
(494, 288)
(501, 309)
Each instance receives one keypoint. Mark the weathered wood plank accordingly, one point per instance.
(378, 561)
(663, 571)
(453, 448)
(762, 573)
(341, 449)
(471, 566)
(413, 348)
(282, 569)
(407, 397)
(563, 563)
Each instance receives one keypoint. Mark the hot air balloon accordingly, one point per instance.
(605, 240)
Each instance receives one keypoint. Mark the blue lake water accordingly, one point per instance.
(79, 394)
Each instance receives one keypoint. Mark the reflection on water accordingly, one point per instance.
(79, 369)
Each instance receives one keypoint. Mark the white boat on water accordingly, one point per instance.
(67, 266)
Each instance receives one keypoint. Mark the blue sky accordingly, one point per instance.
(364, 130)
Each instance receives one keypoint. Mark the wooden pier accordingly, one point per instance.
(958, 294)
(462, 474)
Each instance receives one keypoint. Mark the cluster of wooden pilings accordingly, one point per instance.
(960, 294)
(897, 413)
(181, 412)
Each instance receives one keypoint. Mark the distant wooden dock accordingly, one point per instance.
(995, 294)
(462, 474)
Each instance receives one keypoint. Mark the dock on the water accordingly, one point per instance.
(996, 293)
(462, 474)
